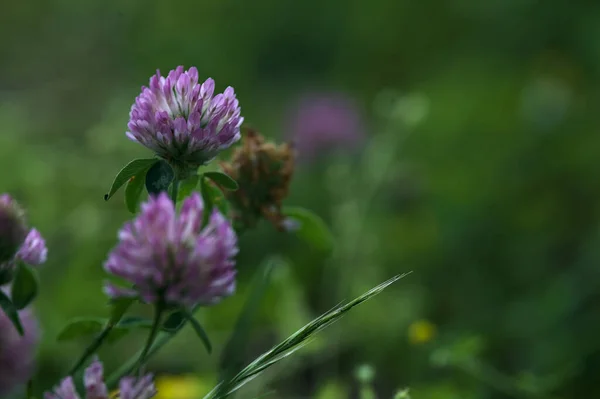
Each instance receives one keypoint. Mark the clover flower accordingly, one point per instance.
(95, 388)
(17, 352)
(170, 257)
(182, 122)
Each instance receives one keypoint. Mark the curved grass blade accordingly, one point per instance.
(231, 359)
(292, 343)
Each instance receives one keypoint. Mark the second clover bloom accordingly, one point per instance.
(95, 388)
(170, 257)
(182, 122)
(17, 353)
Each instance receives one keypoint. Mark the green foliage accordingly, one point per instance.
(218, 198)
(310, 227)
(175, 321)
(159, 177)
(222, 179)
(24, 286)
(133, 191)
(207, 198)
(232, 356)
(81, 327)
(133, 168)
(188, 186)
(495, 186)
(118, 308)
(199, 331)
(292, 343)
(11, 312)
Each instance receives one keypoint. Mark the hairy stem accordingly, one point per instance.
(158, 312)
(129, 366)
(91, 349)
(175, 190)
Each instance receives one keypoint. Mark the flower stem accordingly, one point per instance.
(93, 347)
(175, 190)
(158, 311)
(161, 340)
(30, 389)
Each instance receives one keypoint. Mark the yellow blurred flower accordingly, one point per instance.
(180, 387)
(421, 332)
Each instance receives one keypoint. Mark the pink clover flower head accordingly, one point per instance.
(183, 121)
(169, 257)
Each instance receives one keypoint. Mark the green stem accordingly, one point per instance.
(91, 349)
(30, 389)
(175, 190)
(158, 311)
(126, 369)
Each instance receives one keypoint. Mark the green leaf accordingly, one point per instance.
(24, 286)
(135, 322)
(131, 169)
(207, 198)
(292, 343)
(174, 322)
(81, 327)
(159, 177)
(125, 326)
(187, 187)
(232, 357)
(116, 334)
(218, 199)
(11, 312)
(118, 308)
(133, 191)
(222, 179)
(310, 228)
(199, 331)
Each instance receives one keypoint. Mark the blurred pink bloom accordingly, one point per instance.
(17, 352)
(324, 123)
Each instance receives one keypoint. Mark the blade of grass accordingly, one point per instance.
(293, 343)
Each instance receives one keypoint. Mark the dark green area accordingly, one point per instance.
(480, 174)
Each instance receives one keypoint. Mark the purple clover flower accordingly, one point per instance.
(15, 243)
(17, 352)
(182, 122)
(325, 122)
(95, 388)
(33, 251)
(169, 257)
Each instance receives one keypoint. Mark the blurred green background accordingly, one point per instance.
(479, 171)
